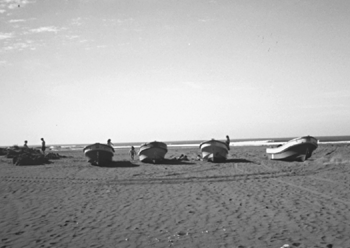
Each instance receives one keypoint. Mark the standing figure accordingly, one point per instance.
(25, 144)
(132, 152)
(228, 141)
(43, 145)
(109, 142)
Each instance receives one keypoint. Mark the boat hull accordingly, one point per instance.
(214, 150)
(99, 154)
(152, 152)
(299, 149)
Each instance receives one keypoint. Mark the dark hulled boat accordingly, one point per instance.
(99, 154)
(214, 150)
(152, 152)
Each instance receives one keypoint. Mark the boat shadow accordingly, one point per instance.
(175, 162)
(122, 164)
(169, 162)
(236, 160)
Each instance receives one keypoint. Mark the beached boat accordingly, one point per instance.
(152, 152)
(298, 149)
(99, 154)
(214, 150)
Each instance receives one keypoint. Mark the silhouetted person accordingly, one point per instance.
(25, 144)
(132, 152)
(109, 142)
(228, 141)
(43, 145)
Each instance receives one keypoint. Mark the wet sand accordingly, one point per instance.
(248, 201)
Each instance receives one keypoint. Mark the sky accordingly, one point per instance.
(84, 71)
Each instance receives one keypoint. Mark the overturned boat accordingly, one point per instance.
(214, 150)
(99, 154)
(298, 149)
(152, 152)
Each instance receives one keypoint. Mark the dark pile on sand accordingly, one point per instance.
(28, 156)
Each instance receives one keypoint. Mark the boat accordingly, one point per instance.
(214, 150)
(298, 149)
(99, 154)
(152, 152)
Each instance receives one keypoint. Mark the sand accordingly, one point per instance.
(248, 201)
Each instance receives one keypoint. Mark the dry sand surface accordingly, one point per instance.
(248, 201)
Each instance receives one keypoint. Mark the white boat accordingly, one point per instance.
(152, 152)
(214, 150)
(298, 149)
(99, 154)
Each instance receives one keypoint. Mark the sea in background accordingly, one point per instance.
(194, 143)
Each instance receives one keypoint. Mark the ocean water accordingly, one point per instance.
(195, 143)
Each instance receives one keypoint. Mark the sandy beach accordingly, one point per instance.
(248, 201)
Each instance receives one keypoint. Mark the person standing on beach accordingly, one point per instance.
(109, 142)
(228, 141)
(132, 152)
(25, 144)
(43, 145)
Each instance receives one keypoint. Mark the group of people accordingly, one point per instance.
(43, 145)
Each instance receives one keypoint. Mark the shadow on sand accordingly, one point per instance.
(122, 164)
(236, 160)
(169, 161)
(174, 161)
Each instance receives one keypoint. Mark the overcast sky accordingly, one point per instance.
(84, 71)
